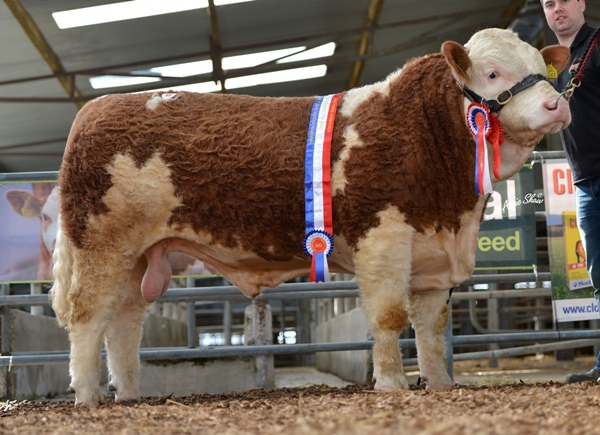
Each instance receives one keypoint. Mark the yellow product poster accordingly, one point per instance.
(577, 276)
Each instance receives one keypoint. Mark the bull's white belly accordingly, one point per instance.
(444, 259)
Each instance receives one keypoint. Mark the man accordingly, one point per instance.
(581, 140)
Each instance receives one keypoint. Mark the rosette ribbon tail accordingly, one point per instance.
(478, 121)
(319, 270)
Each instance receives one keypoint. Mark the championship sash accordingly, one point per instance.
(318, 242)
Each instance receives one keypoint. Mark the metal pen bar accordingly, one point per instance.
(321, 290)
(232, 351)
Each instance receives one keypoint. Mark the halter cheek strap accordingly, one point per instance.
(504, 97)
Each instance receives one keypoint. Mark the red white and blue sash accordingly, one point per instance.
(318, 242)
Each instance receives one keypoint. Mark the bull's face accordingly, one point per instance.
(492, 62)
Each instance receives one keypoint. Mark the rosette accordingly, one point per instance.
(318, 242)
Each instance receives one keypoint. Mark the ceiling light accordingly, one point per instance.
(229, 63)
(293, 54)
(288, 75)
(104, 82)
(254, 59)
(204, 87)
(324, 50)
(128, 10)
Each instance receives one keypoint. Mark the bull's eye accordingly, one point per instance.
(493, 75)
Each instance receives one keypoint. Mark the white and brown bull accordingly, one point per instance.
(220, 177)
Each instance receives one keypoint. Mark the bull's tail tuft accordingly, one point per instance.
(63, 267)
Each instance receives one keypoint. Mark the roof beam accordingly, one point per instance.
(216, 53)
(366, 38)
(39, 41)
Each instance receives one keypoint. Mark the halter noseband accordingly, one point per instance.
(504, 97)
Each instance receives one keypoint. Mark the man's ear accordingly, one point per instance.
(557, 55)
(458, 59)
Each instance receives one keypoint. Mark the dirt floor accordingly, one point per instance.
(545, 408)
(520, 407)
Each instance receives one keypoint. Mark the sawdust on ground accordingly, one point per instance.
(543, 408)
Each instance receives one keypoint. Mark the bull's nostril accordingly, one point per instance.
(555, 105)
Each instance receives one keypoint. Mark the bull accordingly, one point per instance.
(221, 178)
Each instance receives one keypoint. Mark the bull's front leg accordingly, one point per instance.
(429, 316)
(382, 266)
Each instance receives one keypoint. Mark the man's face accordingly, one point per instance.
(564, 17)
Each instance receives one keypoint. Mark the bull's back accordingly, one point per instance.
(236, 163)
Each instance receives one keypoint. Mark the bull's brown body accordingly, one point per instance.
(221, 177)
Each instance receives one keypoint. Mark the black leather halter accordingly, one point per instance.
(504, 97)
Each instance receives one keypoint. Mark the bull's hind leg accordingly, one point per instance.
(429, 316)
(382, 266)
(122, 340)
(94, 296)
(84, 360)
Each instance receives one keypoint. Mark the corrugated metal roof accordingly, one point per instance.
(36, 110)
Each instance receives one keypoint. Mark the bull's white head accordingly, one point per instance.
(495, 60)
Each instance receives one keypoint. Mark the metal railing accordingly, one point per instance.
(346, 289)
(311, 290)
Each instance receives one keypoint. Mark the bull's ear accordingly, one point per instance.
(458, 59)
(557, 55)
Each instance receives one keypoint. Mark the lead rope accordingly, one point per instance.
(576, 81)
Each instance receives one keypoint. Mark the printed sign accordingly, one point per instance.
(507, 235)
(576, 267)
(572, 294)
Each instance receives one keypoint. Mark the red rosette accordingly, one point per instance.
(496, 137)
(478, 118)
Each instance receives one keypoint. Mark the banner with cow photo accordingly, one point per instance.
(28, 213)
(572, 294)
(28, 224)
(506, 238)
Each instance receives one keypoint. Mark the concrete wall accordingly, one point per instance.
(40, 333)
(353, 365)
(183, 378)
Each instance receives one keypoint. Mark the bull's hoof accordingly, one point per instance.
(438, 387)
(126, 402)
(92, 402)
(70, 390)
(391, 384)
(441, 382)
(112, 388)
(124, 397)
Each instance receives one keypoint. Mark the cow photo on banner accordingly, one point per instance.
(572, 292)
(29, 216)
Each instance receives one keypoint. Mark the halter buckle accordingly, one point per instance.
(504, 97)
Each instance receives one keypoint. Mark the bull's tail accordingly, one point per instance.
(63, 267)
